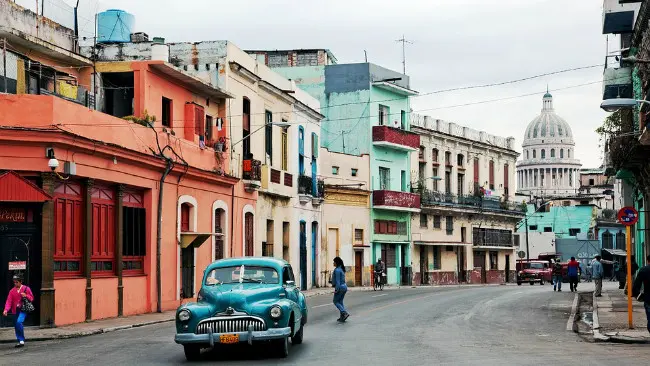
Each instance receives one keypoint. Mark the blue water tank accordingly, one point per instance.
(114, 26)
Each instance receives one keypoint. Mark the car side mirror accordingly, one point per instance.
(289, 283)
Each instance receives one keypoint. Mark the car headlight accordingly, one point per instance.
(276, 312)
(184, 315)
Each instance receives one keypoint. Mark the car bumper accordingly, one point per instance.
(529, 279)
(249, 337)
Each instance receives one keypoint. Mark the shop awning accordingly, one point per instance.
(195, 239)
(618, 252)
(14, 188)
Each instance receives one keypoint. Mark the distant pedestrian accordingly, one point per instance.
(573, 270)
(643, 279)
(598, 273)
(15, 304)
(340, 288)
(557, 276)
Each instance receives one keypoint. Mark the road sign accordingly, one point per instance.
(628, 216)
(18, 265)
(521, 254)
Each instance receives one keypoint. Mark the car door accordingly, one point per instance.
(292, 291)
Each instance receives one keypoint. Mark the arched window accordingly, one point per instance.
(552, 153)
(543, 154)
(219, 228)
(561, 153)
(620, 240)
(534, 154)
(608, 240)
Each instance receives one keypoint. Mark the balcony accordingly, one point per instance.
(493, 238)
(619, 16)
(472, 202)
(276, 182)
(252, 174)
(395, 138)
(311, 190)
(397, 201)
(617, 82)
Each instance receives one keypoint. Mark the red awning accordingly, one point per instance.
(14, 188)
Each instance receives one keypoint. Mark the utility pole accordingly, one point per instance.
(527, 247)
(404, 42)
(4, 62)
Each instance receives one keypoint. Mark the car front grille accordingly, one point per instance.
(230, 325)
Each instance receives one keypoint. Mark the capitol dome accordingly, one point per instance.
(548, 166)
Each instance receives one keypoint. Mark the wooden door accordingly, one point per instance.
(424, 264)
(479, 262)
(248, 235)
(358, 268)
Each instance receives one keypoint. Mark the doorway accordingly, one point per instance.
(424, 265)
(358, 268)
(314, 236)
(507, 268)
(20, 246)
(479, 262)
(462, 271)
(303, 255)
(249, 250)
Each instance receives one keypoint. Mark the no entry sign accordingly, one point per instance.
(628, 216)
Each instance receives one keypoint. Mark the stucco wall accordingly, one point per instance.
(537, 242)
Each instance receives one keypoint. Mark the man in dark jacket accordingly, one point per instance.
(573, 270)
(557, 276)
(643, 279)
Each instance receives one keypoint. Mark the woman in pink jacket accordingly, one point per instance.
(14, 306)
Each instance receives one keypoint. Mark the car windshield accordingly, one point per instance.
(536, 266)
(242, 274)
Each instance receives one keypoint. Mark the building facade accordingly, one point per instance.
(465, 178)
(548, 167)
(111, 209)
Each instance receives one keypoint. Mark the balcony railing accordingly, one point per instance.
(252, 169)
(400, 201)
(395, 138)
(492, 238)
(429, 198)
(306, 186)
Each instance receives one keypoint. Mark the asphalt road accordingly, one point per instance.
(493, 325)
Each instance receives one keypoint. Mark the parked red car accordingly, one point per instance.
(534, 271)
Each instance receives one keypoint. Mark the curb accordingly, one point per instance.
(600, 337)
(88, 332)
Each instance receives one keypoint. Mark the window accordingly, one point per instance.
(219, 227)
(447, 158)
(421, 154)
(267, 247)
(591, 182)
(492, 174)
(434, 155)
(561, 153)
(285, 147)
(390, 227)
(548, 229)
(517, 239)
(494, 260)
(208, 128)
(552, 153)
(403, 180)
(266, 275)
(423, 220)
(534, 154)
(166, 119)
(384, 178)
(460, 184)
(532, 227)
(436, 222)
(246, 128)
(68, 229)
(435, 179)
(463, 234)
(335, 170)
(506, 179)
(477, 181)
(358, 236)
(448, 182)
(103, 229)
(568, 152)
(285, 240)
(608, 240)
(620, 240)
(268, 136)
(437, 260)
(354, 172)
(491, 237)
(543, 154)
(460, 160)
(527, 154)
(450, 225)
(403, 119)
(574, 231)
(384, 115)
(301, 150)
(133, 232)
(199, 119)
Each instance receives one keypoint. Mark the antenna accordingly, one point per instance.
(366, 54)
(404, 42)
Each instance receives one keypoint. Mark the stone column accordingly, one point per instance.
(47, 254)
(88, 246)
(119, 229)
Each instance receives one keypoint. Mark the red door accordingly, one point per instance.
(248, 234)
(185, 218)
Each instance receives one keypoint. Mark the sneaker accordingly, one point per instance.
(559, 290)
(345, 317)
(20, 344)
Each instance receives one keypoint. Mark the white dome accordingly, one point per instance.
(548, 126)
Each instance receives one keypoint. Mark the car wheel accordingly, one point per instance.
(532, 283)
(192, 352)
(518, 283)
(541, 283)
(297, 339)
(282, 347)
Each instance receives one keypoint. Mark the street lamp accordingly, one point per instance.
(615, 104)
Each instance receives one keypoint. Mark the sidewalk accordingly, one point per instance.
(611, 318)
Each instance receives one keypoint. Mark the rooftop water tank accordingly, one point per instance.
(114, 26)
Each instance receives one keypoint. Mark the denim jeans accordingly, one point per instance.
(646, 304)
(557, 282)
(338, 300)
(18, 326)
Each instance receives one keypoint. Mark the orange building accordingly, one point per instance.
(138, 202)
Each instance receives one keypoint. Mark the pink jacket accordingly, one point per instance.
(14, 300)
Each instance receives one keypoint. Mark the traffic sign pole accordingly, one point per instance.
(628, 245)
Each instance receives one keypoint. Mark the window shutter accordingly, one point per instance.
(314, 145)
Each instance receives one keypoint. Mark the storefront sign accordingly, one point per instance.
(12, 215)
(16, 266)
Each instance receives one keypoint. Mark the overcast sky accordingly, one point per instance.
(456, 43)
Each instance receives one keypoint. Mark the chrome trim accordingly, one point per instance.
(230, 324)
(229, 314)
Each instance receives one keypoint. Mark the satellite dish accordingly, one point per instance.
(521, 254)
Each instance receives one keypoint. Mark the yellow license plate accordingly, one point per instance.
(229, 338)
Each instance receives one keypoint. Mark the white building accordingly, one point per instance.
(548, 167)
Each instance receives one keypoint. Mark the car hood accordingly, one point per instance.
(528, 270)
(246, 297)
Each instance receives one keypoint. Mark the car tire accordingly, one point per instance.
(532, 283)
(297, 339)
(192, 352)
(282, 347)
(518, 283)
(541, 283)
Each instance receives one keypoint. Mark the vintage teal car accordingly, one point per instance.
(247, 299)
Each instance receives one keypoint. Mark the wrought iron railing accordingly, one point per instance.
(252, 169)
(433, 198)
(305, 185)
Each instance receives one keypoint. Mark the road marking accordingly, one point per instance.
(320, 306)
(572, 317)
(380, 295)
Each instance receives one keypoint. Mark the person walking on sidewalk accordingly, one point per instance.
(598, 273)
(340, 288)
(557, 276)
(643, 279)
(573, 270)
(14, 306)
